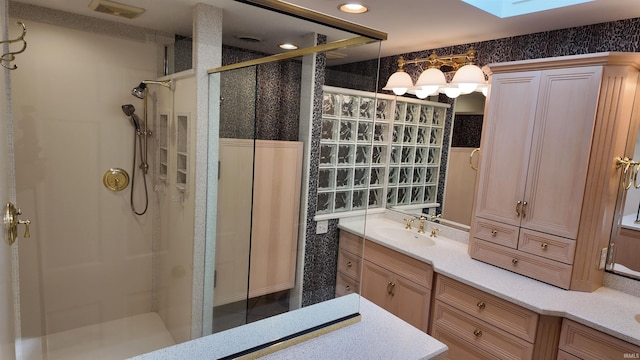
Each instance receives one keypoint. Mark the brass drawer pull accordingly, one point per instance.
(518, 208)
(349, 264)
(393, 286)
(389, 287)
(480, 305)
(544, 246)
(494, 233)
(514, 261)
(524, 209)
(477, 332)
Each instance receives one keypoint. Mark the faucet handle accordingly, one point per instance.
(408, 222)
(433, 218)
(434, 230)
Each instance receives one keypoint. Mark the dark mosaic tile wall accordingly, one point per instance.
(466, 131)
(277, 109)
(321, 250)
(623, 35)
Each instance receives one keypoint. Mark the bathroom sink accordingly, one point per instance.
(400, 234)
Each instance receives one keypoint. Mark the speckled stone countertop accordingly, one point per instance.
(378, 335)
(605, 309)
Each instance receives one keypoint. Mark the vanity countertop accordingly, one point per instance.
(378, 335)
(605, 309)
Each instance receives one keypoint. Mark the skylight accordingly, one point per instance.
(508, 8)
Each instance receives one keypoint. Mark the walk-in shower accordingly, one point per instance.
(141, 137)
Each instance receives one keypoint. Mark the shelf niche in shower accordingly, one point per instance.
(163, 146)
(182, 150)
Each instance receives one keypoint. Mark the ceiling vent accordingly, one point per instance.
(115, 8)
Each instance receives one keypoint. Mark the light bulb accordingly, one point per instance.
(399, 82)
(452, 91)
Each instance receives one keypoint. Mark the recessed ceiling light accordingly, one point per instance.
(353, 8)
(288, 46)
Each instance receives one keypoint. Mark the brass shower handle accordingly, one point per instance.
(11, 222)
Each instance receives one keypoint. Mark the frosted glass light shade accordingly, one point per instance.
(399, 82)
(431, 80)
(468, 78)
(452, 91)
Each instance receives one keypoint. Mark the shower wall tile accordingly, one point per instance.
(274, 115)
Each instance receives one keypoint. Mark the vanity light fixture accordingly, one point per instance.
(353, 8)
(288, 46)
(468, 77)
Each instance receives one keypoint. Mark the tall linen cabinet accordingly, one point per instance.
(547, 184)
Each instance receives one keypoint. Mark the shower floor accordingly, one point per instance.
(117, 339)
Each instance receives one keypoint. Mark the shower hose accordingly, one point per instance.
(143, 166)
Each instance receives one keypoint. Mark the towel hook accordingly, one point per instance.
(8, 57)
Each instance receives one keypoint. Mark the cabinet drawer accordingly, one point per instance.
(548, 246)
(458, 348)
(351, 242)
(587, 343)
(480, 334)
(349, 264)
(511, 318)
(346, 285)
(496, 232)
(549, 271)
(415, 270)
(566, 356)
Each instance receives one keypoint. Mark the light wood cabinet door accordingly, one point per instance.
(560, 150)
(506, 142)
(411, 302)
(376, 285)
(396, 294)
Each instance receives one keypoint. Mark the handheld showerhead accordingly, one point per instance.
(138, 91)
(129, 110)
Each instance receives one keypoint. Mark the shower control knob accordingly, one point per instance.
(11, 222)
(115, 179)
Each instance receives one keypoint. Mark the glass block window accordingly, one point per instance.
(377, 150)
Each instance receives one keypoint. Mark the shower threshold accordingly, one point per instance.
(116, 339)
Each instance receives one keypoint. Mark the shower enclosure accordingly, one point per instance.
(92, 267)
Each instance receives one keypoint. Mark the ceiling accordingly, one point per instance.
(411, 25)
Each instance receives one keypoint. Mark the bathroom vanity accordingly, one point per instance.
(479, 310)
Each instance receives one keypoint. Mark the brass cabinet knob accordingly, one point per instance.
(349, 264)
(494, 233)
(348, 288)
(544, 246)
(514, 261)
(477, 332)
(480, 305)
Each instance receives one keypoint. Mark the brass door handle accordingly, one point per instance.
(393, 287)
(524, 209)
(471, 158)
(389, 287)
(11, 222)
(518, 208)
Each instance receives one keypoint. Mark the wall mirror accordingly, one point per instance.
(624, 246)
(456, 176)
